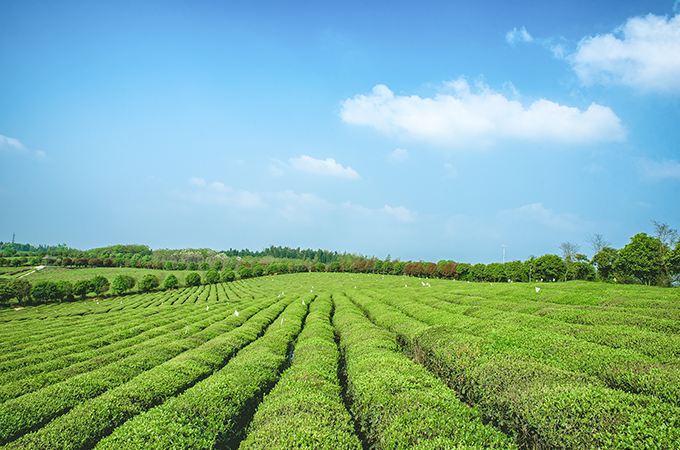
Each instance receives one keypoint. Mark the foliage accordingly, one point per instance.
(122, 284)
(549, 268)
(6, 292)
(170, 282)
(148, 283)
(604, 262)
(228, 275)
(212, 276)
(192, 279)
(49, 291)
(245, 272)
(641, 258)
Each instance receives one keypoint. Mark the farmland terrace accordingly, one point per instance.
(346, 361)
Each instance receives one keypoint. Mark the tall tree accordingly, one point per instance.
(597, 243)
(640, 258)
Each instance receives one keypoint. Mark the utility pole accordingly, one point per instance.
(13, 236)
(504, 253)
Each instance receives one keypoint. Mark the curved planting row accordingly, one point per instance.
(305, 408)
(398, 403)
(212, 412)
(29, 412)
(89, 421)
(543, 406)
(618, 368)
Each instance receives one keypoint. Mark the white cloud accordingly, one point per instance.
(12, 144)
(197, 181)
(464, 118)
(399, 155)
(451, 171)
(402, 214)
(643, 53)
(275, 171)
(676, 6)
(538, 214)
(216, 193)
(328, 168)
(516, 35)
(659, 170)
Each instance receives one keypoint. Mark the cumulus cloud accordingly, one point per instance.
(216, 193)
(655, 170)
(463, 117)
(399, 155)
(328, 168)
(536, 213)
(402, 214)
(516, 35)
(451, 171)
(12, 144)
(643, 53)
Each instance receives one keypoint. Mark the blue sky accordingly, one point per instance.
(441, 130)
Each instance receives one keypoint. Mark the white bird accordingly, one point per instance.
(311, 290)
(405, 285)
(538, 289)
(355, 287)
(303, 302)
(281, 320)
(423, 283)
(235, 313)
(207, 307)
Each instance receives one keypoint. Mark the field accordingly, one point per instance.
(346, 361)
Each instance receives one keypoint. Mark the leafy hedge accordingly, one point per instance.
(305, 408)
(398, 403)
(212, 413)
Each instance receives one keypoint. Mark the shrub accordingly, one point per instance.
(122, 284)
(148, 283)
(205, 266)
(170, 282)
(193, 279)
(228, 275)
(192, 266)
(99, 285)
(212, 277)
(48, 292)
(181, 266)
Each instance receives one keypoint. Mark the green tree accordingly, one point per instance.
(22, 289)
(516, 271)
(6, 293)
(205, 266)
(99, 284)
(245, 272)
(122, 283)
(549, 267)
(604, 263)
(569, 255)
(192, 266)
(257, 270)
(181, 266)
(170, 282)
(478, 272)
(149, 282)
(641, 259)
(494, 272)
(81, 288)
(228, 275)
(67, 288)
(168, 265)
(320, 267)
(217, 266)
(212, 276)
(47, 292)
(192, 279)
